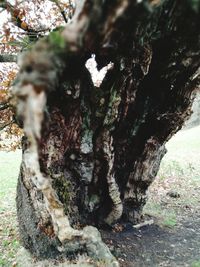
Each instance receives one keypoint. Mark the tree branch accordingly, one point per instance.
(4, 105)
(8, 58)
(89, 21)
(18, 22)
(96, 26)
(61, 10)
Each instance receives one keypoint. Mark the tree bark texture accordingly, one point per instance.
(90, 153)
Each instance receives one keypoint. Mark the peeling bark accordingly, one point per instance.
(90, 153)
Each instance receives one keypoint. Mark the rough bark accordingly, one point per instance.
(91, 153)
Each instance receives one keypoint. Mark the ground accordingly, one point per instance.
(157, 246)
(9, 239)
(173, 210)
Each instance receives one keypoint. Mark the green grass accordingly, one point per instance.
(184, 147)
(182, 158)
(180, 172)
(9, 243)
(195, 264)
(10, 163)
(170, 222)
(164, 216)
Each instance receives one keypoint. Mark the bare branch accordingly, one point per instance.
(17, 20)
(61, 10)
(4, 105)
(31, 33)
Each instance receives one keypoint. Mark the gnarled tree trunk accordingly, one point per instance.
(90, 153)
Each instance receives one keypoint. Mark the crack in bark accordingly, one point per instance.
(113, 188)
(143, 100)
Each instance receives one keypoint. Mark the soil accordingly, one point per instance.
(153, 245)
(148, 246)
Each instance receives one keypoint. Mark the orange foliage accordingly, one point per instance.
(10, 134)
(24, 18)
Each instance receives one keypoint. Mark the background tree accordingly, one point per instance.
(21, 24)
(90, 152)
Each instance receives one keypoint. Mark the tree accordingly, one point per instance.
(21, 24)
(90, 153)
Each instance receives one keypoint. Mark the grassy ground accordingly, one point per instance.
(180, 173)
(9, 243)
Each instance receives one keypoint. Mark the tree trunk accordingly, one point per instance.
(90, 153)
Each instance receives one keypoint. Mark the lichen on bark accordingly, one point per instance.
(90, 153)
